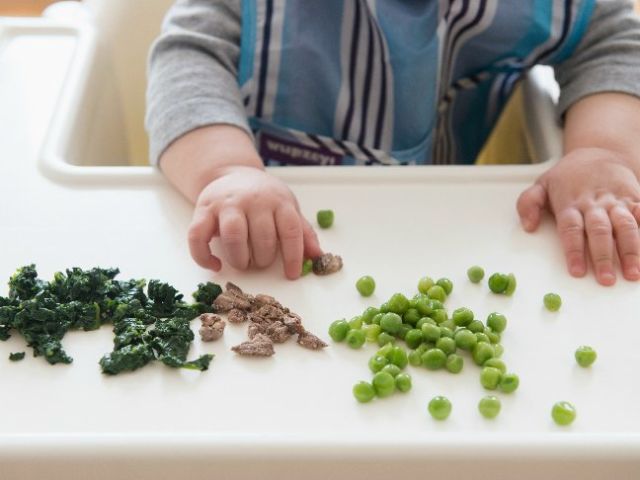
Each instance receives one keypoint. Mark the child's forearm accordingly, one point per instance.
(608, 121)
(199, 157)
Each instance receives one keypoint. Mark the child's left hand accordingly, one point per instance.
(595, 198)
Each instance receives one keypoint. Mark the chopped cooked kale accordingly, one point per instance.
(205, 295)
(17, 356)
(147, 326)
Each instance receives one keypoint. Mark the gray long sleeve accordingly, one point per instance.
(193, 66)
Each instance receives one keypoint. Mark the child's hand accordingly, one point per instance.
(595, 198)
(252, 212)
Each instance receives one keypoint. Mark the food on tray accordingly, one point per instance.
(585, 356)
(148, 325)
(212, 327)
(552, 302)
(327, 264)
(440, 408)
(475, 274)
(366, 285)
(503, 283)
(563, 413)
(325, 218)
(489, 406)
(16, 356)
(307, 267)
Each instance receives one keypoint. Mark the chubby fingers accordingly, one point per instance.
(289, 227)
(310, 240)
(570, 225)
(263, 237)
(530, 205)
(234, 236)
(202, 229)
(625, 228)
(600, 236)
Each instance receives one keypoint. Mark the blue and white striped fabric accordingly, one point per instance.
(383, 82)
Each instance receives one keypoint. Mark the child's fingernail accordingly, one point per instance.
(607, 276)
(633, 271)
(576, 269)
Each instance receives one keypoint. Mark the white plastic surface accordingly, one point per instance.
(293, 416)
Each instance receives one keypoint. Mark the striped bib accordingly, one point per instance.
(384, 82)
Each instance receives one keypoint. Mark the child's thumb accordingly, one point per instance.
(530, 205)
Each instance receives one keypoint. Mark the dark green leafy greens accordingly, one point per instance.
(148, 326)
(16, 356)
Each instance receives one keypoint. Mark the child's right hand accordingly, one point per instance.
(253, 213)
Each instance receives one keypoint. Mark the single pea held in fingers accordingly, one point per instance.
(497, 322)
(355, 338)
(307, 267)
(490, 378)
(454, 363)
(424, 284)
(338, 330)
(384, 384)
(434, 359)
(509, 383)
(585, 356)
(462, 316)
(391, 322)
(440, 408)
(498, 282)
(446, 284)
(366, 286)
(475, 274)
(364, 392)
(489, 406)
(325, 218)
(437, 292)
(563, 413)
(403, 382)
(552, 302)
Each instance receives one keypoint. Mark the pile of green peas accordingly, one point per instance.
(434, 338)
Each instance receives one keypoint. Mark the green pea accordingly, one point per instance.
(552, 302)
(384, 384)
(476, 326)
(446, 332)
(413, 338)
(356, 322)
(398, 356)
(482, 338)
(391, 322)
(364, 392)
(430, 333)
(462, 316)
(446, 284)
(392, 369)
(454, 363)
(424, 284)
(497, 322)
(494, 337)
(511, 285)
(447, 345)
(372, 332)
(499, 349)
(423, 305)
(434, 359)
(376, 318)
(496, 363)
(448, 324)
(404, 329)
(377, 363)
(403, 382)
(475, 274)
(440, 316)
(398, 303)
(436, 304)
(355, 338)
(423, 348)
(440, 408)
(368, 314)
(509, 383)
(490, 378)
(415, 358)
(489, 406)
(385, 349)
(437, 292)
(498, 282)
(307, 267)
(338, 330)
(585, 356)
(465, 340)
(563, 413)
(424, 320)
(325, 218)
(366, 285)
(384, 308)
(482, 352)
(384, 338)
(411, 316)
